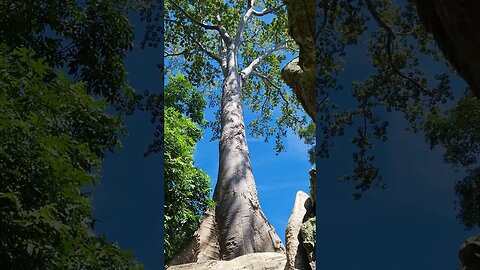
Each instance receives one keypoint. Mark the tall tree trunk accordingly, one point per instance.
(242, 225)
(237, 226)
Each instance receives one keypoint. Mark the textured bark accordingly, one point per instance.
(203, 246)
(455, 27)
(242, 225)
(256, 261)
(299, 74)
(237, 226)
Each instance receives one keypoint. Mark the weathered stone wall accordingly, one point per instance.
(299, 74)
(455, 25)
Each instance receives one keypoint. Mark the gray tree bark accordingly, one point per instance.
(238, 225)
(242, 225)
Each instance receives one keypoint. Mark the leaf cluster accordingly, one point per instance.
(53, 136)
(458, 131)
(396, 45)
(187, 188)
(87, 39)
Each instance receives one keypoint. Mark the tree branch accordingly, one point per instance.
(241, 27)
(388, 44)
(248, 70)
(193, 20)
(174, 54)
(246, 16)
(266, 11)
(207, 52)
(266, 80)
(220, 29)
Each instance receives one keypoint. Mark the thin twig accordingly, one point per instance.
(267, 80)
(389, 43)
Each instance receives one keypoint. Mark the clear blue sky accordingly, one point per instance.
(411, 225)
(128, 202)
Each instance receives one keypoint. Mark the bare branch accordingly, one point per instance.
(264, 78)
(207, 52)
(174, 54)
(199, 45)
(219, 28)
(266, 11)
(246, 17)
(390, 37)
(267, 80)
(195, 21)
(248, 70)
(241, 27)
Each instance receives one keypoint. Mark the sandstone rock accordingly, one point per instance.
(296, 254)
(470, 254)
(253, 261)
(308, 236)
(299, 74)
(455, 28)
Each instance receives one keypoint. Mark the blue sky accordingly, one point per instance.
(129, 203)
(410, 225)
(278, 177)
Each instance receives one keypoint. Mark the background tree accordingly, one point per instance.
(53, 134)
(53, 137)
(187, 188)
(398, 47)
(87, 39)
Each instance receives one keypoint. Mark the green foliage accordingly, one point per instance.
(180, 95)
(87, 38)
(458, 131)
(396, 43)
(52, 139)
(468, 191)
(187, 43)
(187, 188)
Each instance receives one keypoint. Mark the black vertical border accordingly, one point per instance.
(317, 133)
(161, 67)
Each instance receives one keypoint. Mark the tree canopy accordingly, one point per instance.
(88, 39)
(53, 137)
(195, 46)
(400, 52)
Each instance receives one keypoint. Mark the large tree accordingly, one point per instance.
(236, 46)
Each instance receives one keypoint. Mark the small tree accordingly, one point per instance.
(187, 188)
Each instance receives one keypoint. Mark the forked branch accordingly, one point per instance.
(267, 80)
(246, 17)
(389, 44)
(220, 29)
(248, 70)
